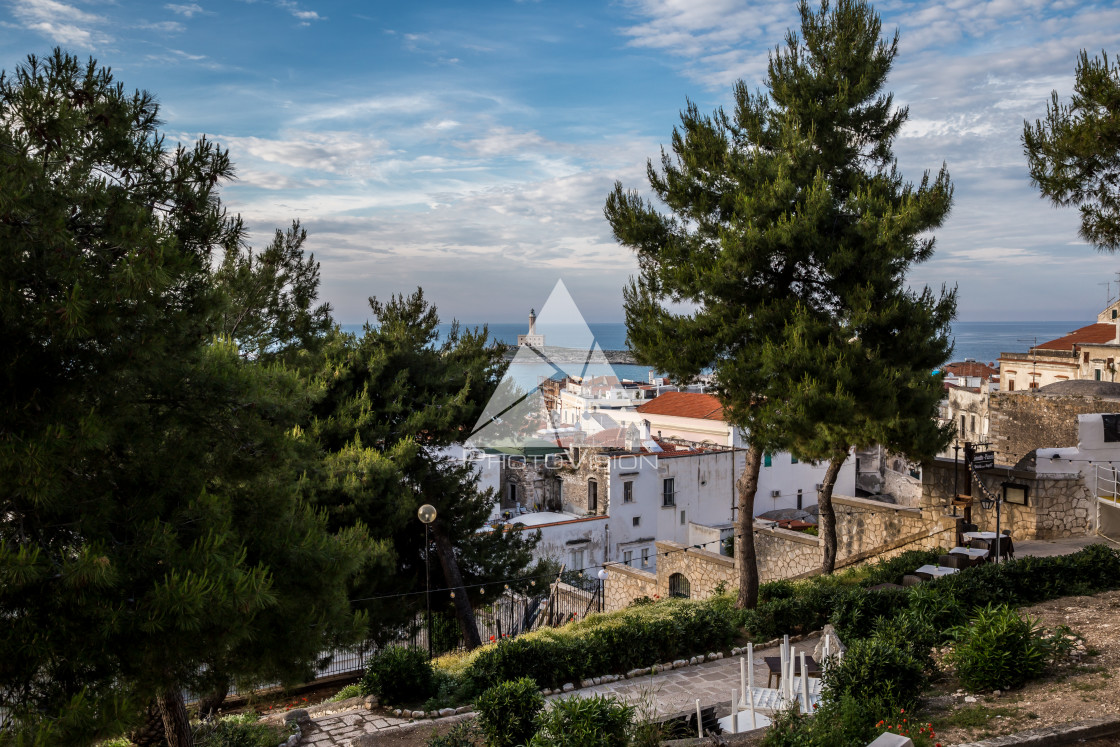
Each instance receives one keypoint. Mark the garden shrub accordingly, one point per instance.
(780, 589)
(891, 570)
(846, 722)
(507, 712)
(911, 632)
(602, 644)
(855, 612)
(462, 734)
(998, 649)
(242, 730)
(874, 670)
(597, 721)
(399, 674)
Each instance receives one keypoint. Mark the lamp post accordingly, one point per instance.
(602, 577)
(987, 502)
(427, 514)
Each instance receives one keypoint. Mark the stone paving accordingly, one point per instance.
(672, 691)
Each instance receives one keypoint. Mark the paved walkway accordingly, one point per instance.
(1050, 548)
(669, 692)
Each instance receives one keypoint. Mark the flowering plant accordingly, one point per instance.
(922, 735)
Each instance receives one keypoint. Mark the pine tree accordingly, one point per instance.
(1074, 154)
(149, 476)
(776, 211)
(397, 400)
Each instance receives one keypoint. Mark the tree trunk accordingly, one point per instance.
(150, 731)
(212, 701)
(747, 485)
(176, 726)
(826, 516)
(450, 567)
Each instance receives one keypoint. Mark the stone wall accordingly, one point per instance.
(704, 569)
(538, 487)
(1021, 422)
(625, 584)
(784, 554)
(592, 465)
(1058, 505)
(866, 530)
(907, 490)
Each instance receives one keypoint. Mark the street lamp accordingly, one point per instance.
(427, 514)
(602, 577)
(987, 501)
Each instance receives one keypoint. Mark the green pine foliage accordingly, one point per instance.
(788, 231)
(1073, 155)
(151, 519)
(394, 401)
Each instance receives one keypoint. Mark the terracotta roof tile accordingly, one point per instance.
(685, 405)
(1092, 334)
(971, 368)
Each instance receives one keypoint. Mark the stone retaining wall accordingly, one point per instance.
(625, 584)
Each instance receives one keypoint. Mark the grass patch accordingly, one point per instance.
(974, 716)
(350, 691)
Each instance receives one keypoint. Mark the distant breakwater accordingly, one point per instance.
(571, 355)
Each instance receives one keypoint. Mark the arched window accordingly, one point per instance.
(679, 586)
(592, 496)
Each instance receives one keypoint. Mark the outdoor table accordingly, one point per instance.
(774, 667)
(986, 536)
(943, 570)
(970, 552)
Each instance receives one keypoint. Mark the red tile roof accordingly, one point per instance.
(1093, 334)
(971, 368)
(685, 405)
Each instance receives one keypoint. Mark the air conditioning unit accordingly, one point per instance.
(818, 486)
(775, 494)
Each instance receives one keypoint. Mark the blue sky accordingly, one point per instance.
(468, 147)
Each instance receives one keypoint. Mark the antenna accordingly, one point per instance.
(1034, 360)
(1108, 290)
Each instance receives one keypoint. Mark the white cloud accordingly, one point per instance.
(188, 10)
(61, 23)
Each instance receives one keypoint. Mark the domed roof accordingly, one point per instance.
(1084, 388)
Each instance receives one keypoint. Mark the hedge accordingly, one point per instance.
(613, 643)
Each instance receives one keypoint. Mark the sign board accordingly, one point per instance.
(984, 460)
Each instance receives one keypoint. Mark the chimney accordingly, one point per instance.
(645, 434)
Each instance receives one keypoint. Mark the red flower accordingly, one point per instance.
(491, 639)
(902, 710)
(814, 706)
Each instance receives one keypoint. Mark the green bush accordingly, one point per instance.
(462, 734)
(604, 644)
(891, 570)
(875, 671)
(242, 730)
(399, 674)
(998, 649)
(911, 632)
(846, 722)
(855, 612)
(507, 712)
(597, 721)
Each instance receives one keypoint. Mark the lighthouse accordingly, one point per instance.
(532, 339)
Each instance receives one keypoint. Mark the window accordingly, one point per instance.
(637, 520)
(669, 491)
(592, 496)
(645, 557)
(767, 459)
(799, 496)
(577, 560)
(679, 586)
(683, 520)
(972, 423)
(1097, 374)
(628, 557)
(962, 425)
(792, 459)
(1011, 385)
(628, 492)
(513, 492)
(1085, 359)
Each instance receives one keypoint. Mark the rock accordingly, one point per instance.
(297, 716)
(292, 740)
(996, 693)
(417, 714)
(568, 687)
(834, 643)
(586, 683)
(371, 702)
(397, 712)
(445, 712)
(679, 663)
(433, 714)
(969, 699)
(462, 709)
(711, 657)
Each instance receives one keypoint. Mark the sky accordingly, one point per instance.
(468, 148)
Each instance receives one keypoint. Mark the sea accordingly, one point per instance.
(979, 341)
